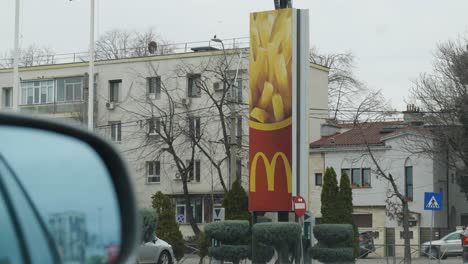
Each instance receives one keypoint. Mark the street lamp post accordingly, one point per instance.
(16, 83)
(91, 70)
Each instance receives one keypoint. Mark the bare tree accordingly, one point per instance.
(163, 135)
(442, 96)
(118, 44)
(174, 136)
(370, 113)
(221, 83)
(32, 55)
(343, 86)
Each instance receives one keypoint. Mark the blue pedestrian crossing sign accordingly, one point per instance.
(433, 201)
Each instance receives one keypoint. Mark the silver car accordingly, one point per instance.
(449, 245)
(156, 251)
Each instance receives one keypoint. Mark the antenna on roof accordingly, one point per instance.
(152, 47)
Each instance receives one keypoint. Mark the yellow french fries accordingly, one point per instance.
(271, 66)
(278, 108)
(267, 94)
(260, 115)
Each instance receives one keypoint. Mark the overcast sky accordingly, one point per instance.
(393, 41)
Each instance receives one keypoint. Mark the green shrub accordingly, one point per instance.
(284, 236)
(149, 223)
(277, 234)
(261, 253)
(233, 232)
(203, 243)
(345, 198)
(263, 219)
(333, 255)
(168, 229)
(331, 234)
(236, 203)
(334, 243)
(329, 198)
(230, 252)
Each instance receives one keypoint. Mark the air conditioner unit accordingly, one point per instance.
(218, 86)
(177, 176)
(152, 96)
(186, 101)
(110, 105)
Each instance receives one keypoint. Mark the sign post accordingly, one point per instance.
(218, 216)
(432, 202)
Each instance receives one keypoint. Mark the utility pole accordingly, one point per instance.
(91, 70)
(16, 83)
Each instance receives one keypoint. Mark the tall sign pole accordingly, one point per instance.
(16, 83)
(432, 202)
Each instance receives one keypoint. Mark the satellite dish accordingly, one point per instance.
(152, 47)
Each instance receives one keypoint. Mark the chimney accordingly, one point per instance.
(413, 116)
(328, 129)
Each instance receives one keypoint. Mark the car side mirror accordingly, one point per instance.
(65, 195)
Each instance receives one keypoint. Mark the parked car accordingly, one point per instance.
(156, 251)
(449, 245)
(366, 244)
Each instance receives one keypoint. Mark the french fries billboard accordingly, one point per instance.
(271, 110)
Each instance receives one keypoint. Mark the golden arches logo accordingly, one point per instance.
(270, 171)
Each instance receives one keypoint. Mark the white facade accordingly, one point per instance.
(394, 154)
(129, 78)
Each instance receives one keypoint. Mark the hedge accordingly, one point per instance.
(333, 255)
(230, 253)
(330, 234)
(232, 232)
(277, 234)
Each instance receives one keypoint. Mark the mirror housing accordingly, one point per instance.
(113, 164)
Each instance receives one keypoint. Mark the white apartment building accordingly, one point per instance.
(134, 99)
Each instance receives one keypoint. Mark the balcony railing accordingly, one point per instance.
(163, 49)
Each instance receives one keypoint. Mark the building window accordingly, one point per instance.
(7, 97)
(197, 210)
(362, 220)
(360, 177)
(239, 131)
(69, 89)
(194, 127)
(409, 182)
(366, 177)
(115, 131)
(37, 92)
(194, 173)
(193, 81)
(154, 86)
(356, 179)
(154, 126)
(318, 179)
(153, 171)
(114, 90)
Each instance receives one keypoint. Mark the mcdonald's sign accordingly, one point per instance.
(271, 104)
(270, 171)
